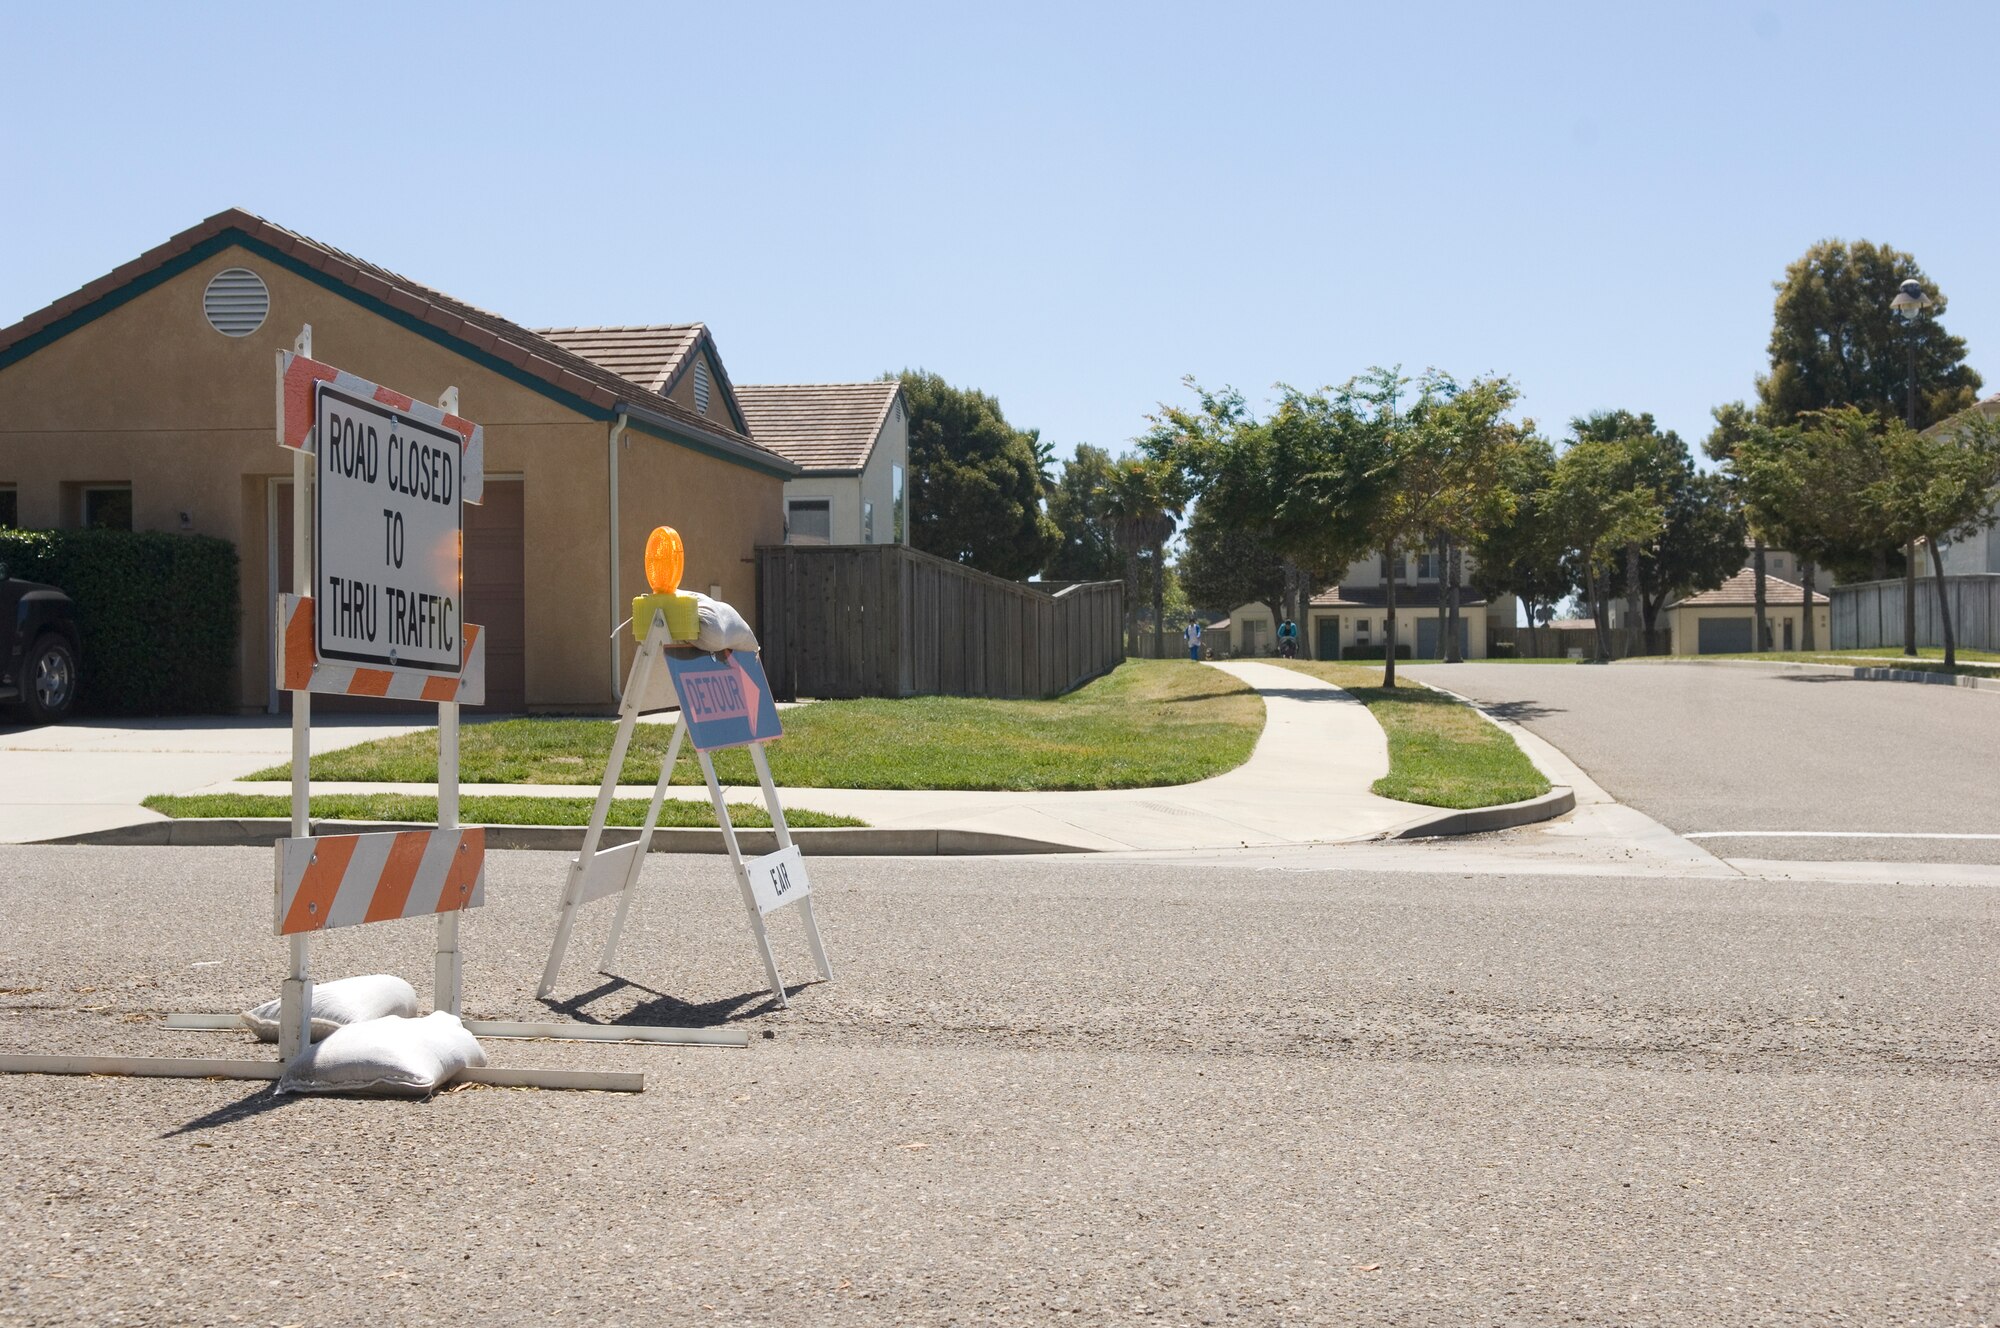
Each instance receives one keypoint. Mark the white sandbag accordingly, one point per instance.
(340, 1002)
(405, 1057)
(722, 627)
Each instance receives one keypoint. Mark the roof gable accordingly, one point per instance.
(1741, 589)
(480, 335)
(658, 356)
(826, 428)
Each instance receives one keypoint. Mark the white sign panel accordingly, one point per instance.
(388, 591)
(778, 879)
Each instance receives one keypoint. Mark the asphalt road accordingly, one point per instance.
(1704, 749)
(1059, 1091)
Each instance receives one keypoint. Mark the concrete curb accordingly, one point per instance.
(847, 841)
(1477, 820)
(1865, 673)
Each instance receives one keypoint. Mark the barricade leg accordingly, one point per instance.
(784, 833)
(448, 977)
(610, 956)
(742, 878)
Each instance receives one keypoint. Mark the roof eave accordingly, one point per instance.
(707, 440)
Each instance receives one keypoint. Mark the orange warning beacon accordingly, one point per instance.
(665, 559)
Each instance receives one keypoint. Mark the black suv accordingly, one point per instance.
(39, 671)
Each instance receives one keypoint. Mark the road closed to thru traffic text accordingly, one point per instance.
(389, 515)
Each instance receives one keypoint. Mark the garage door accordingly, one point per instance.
(1723, 636)
(494, 567)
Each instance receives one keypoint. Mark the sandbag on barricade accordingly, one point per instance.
(402, 1057)
(339, 1003)
(722, 627)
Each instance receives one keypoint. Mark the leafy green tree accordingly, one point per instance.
(1939, 487)
(975, 485)
(1143, 498)
(1089, 548)
(1836, 342)
(1223, 567)
(1520, 553)
(1735, 422)
(1598, 510)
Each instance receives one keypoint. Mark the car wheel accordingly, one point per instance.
(48, 680)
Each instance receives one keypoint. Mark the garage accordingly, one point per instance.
(1723, 636)
(1427, 638)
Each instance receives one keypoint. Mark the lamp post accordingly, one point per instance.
(1909, 305)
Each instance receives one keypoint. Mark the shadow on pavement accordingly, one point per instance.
(670, 1010)
(262, 1100)
(1520, 712)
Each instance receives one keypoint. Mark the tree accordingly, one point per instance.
(1519, 554)
(1442, 456)
(1142, 498)
(1089, 549)
(975, 486)
(1803, 485)
(1939, 487)
(1835, 341)
(1599, 511)
(1700, 541)
(1222, 567)
(1734, 422)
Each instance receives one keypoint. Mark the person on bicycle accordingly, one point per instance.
(1288, 639)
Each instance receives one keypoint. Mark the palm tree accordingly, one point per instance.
(1143, 500)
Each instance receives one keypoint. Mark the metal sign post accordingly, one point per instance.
(725, 702)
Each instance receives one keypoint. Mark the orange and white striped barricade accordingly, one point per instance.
(379, 484)
(725, 702)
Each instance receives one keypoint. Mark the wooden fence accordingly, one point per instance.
(885, 620)
(1869, 614)
(1557, 642)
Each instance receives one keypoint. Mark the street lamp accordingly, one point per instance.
(1909, 305)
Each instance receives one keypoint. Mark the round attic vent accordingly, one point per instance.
(236, 302)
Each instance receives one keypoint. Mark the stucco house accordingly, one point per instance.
(851, 443)
(1349, 619)
(1979, 552)
(147, 398)
(1718, 622)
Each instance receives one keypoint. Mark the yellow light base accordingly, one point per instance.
(682, 610)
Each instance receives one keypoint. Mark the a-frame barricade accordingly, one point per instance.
(725, 701)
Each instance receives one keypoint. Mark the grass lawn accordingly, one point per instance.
(1147, 723)
(475, 811)
(1442, 753)
(1930, 659)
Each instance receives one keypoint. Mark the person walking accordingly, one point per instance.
(1192, 634)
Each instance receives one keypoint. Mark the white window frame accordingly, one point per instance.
(795, 505)
(867, 521)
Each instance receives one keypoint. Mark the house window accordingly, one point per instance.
(1426, 565)
(867, 522)
(10, 509)
(809, 521)
(107, 507)
(701, 386)
(896, 499)
(1361, 628)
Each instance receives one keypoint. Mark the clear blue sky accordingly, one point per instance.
(1070, 206)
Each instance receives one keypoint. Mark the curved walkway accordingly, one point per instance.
(1306, 781)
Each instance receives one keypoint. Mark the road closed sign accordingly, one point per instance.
(389, 592)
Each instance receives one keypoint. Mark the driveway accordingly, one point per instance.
(1769, 763)
(70, 779)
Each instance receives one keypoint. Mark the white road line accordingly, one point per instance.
(1826, 834)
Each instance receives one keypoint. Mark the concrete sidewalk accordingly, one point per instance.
(1306, 782)
(70, 779)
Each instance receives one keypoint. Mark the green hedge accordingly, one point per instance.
(157, 612)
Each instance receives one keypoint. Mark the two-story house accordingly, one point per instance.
(1349, 620)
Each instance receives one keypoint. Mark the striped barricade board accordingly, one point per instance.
(299, 380)
(327, 881)
(302, 670)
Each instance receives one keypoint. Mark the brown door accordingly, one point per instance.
(494, 572)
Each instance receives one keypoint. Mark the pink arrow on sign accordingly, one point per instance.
(753, 695)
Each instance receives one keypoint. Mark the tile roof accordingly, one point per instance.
(650, 356)
(1742, 589)
(526, 352)
(824, 427)
(1376, 597)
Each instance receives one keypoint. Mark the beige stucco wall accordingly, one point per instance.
(1684, 622)
(148, 394)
